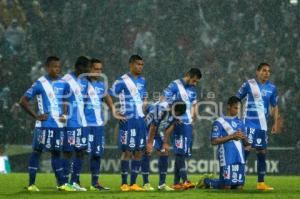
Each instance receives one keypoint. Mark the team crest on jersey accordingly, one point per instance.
(179, 143)
(98, 90)
(258, 140)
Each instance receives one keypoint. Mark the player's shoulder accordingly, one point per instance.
(271, 85)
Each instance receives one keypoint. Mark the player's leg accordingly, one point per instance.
(125, 157)
(96, 149)
(260, 143)
(39, 137)
(163, 170)
(137, 144)
(80, 148)
(123, 143)
(251, 137)
(145, 167)
(56, 163)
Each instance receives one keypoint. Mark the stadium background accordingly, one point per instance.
(226, 39)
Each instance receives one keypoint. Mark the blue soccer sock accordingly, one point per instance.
(66, 163)
(135, 169)
(162, 168)
(181, 166)
(247, 153)
(57, 167)
(95, 162)
(124, 170)
(261, 166)
(145, 167)
(33, 166)
(176, 172)
(213, 183)
(76, 169)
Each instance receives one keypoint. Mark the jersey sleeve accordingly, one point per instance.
(34, 90)
(193, 97)
(169, 92)
(274, 98)
(216, 130)
(116, 88)
(242, 92)
(145, 94)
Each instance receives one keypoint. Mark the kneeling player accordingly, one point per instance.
(159, 120)
(228, 134)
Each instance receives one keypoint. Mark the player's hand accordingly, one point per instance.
(165, 147)
(42, 117)
(63, 119)
(276, 128)
(149, 147)
(119, 116)
(238, 135)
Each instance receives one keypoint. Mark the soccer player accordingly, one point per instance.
(160, 119)
(260, 95)
(130, 88)
(75, 135)
(228, 133)
(48, 133)
(97, 92)
(183, 89)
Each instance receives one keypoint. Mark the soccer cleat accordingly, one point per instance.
(125, 187)
(33, 188)
(201, 183)
(136, 187)
(178, 186)
(147, 187)
(78, 187)
(188, 185)
(263, 186)
(66, 187)
(164, 187)
(99, 187)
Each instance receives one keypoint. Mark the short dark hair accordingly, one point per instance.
(82, 62)
(233, 100)
(50, 59)
(179, 107)
(194, 72)
(259, 67)
(95, 60)
(134, 58)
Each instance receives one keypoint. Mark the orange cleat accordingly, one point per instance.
(263, 186)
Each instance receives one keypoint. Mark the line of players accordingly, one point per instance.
(70, 120)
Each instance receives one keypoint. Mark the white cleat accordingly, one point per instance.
(78, 187)
(165, 187)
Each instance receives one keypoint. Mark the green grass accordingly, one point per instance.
(12, 186)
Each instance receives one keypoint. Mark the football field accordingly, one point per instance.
(12, 186)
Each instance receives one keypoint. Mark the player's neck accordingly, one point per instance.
(134, 74)
(261, 81)
(51, 77)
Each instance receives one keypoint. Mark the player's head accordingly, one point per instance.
(136, 64)
(96, 69)
(193, 76)
(53, 66)
(178, 108)
(263, 72)
(82, 65)
(233, 106)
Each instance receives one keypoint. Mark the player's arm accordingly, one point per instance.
(275, 112)
(242, 92)
(168, 132)
(25, 102)
(152, 131)
(109, 102)
(168, 93)
(235, 136)
(114, 91)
